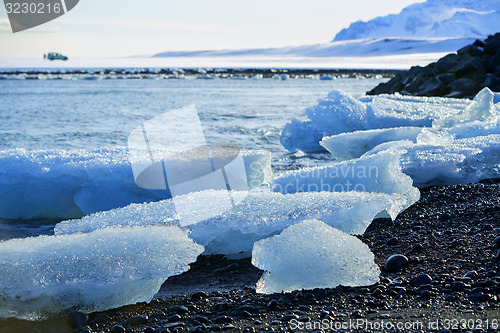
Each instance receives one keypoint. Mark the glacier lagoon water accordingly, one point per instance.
(70, 115)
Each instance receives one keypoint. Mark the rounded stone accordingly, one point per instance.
(421, 280)
(395, 262)
(77, 319)
(137, 320)
(117, 329)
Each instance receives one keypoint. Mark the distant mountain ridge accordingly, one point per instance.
(431, 19)
(434, 26)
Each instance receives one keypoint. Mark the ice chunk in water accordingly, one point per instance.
(97, 271)
(378, 173)
(335, 114)
(347, 146)
(311, 255)
(260, 215)
(340, 113)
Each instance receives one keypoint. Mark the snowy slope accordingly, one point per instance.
(433, 18)
(350, 48)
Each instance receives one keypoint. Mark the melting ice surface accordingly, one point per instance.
(260, 215)
(70, 184)
(311, 255)
(380, 173)
(105, 269)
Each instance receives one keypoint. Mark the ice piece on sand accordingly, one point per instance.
(105, 269)
(260, 215)
(338, 113)
(70, 184)
(463, 161)
(352, 145)
(482, 108)
(311, 255)
(377, 173)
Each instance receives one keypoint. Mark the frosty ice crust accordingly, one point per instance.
(339, 113)
(70, 184)
(90, 272)
(311, 255)
(259, 216)
(380, 173)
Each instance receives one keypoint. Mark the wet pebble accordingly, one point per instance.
(288, 317)
(137, 320)
(392, 241)
(77, 319)
(395, 262)
(458, 286)
(201, 319)
(418, 247)
(179, 309)
(174, 318)
(117, 329)
(421, 280)
(480, 297)
(223, 320)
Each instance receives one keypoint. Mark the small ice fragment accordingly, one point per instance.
(311, 255)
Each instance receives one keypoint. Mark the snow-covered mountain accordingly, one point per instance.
(431, 19)
(434, 26)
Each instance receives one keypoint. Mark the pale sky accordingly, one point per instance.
(102, 28)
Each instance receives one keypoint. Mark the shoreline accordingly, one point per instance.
(451, 234)
(200, 73)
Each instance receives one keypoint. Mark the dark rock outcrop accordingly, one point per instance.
(462, 74)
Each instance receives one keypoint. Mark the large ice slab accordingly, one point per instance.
(347, 146)
(380, 173)
(311, 255)
(105, 269)
(260, 215)
(337, 113)
(69, 184)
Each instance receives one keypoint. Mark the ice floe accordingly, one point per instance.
(70, 184)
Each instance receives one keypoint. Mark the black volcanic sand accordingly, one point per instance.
(449, 234)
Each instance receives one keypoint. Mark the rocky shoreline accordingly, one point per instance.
(451, 282)
(461, 75)
(192, 73)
